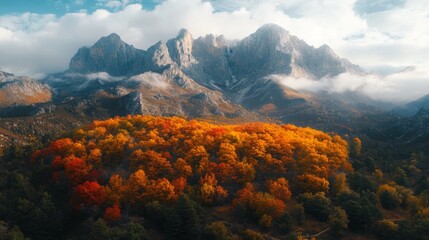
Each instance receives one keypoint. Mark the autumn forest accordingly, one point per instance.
(144, 177)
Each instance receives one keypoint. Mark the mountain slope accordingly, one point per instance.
(21, 91)
(416, 105)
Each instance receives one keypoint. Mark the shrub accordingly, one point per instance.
(316, 205)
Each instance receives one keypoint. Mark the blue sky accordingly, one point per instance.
(43, 6)
(38, 37)
(61, 7)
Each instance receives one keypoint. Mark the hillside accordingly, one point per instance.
(175, 150)
(21, 91)
(144, 177)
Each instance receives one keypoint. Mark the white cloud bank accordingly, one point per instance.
(378, 39)
(400, 87)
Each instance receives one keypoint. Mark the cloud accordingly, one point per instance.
(93, 76)
(103, 76)
(5, 34)
(151, 79)
(409, 84)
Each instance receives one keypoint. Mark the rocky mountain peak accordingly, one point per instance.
(271, 29)
(326, 49)
(184, 34)
(262, 53)
(272, 50)
(180, 49)
(109, 54)
(111, 42)
(111, 38)
(271, 34)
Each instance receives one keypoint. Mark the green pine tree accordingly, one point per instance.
(190, 221)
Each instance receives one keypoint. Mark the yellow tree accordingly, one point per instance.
(279, 188)
(115, 189)
(136, 185)
(183, 169)
(210, 191)
(160, 190)
(312, 183)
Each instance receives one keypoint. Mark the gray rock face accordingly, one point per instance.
(272, 50)
(267, 51)
(180, 49)
(109, 54)
(133, 103)
(323, 62)
(212, 69)
(158, 58)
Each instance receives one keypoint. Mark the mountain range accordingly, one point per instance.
(201, 77)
